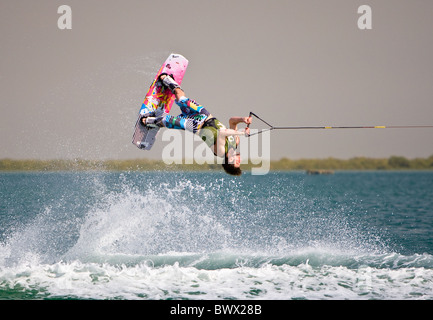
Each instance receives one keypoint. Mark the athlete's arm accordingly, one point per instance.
(234, 121)
(231, 132)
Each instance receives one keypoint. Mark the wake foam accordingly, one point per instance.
(143, 214)
(147, 224)
(140, 236)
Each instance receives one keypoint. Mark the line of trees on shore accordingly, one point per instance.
(357, 163)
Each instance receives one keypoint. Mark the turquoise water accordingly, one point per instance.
(157, 235)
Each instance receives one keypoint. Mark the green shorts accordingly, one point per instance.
(209, 134)
(209, 131)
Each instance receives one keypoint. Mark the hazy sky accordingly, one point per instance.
(76, 93)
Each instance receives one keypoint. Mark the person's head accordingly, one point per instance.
(232, 163)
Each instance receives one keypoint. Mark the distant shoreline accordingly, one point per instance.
(284, 164)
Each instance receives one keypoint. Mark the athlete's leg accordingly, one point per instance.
(190, 107)
(178, 93)
(182, 122)
(192, 117)
(187, 106)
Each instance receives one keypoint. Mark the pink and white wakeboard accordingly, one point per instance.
(158, 101)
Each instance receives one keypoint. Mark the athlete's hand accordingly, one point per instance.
(247, 132)
(248, 120)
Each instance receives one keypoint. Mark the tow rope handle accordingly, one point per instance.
(248, 126)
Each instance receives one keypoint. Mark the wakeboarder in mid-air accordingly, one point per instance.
(196, 119)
